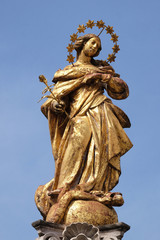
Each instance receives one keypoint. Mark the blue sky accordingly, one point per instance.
(33, 40)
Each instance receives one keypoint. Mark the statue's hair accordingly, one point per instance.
(81, 41)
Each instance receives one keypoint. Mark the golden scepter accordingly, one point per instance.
(44, 80)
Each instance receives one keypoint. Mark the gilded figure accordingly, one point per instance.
(87, 138)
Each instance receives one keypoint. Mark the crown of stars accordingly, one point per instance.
(100, 24)
(90, 24)
(114, 37)
(116, 48)
(81, 28)
(73, 37)
(70, 47)
(111, 57)
(109, 29)
(70, 58)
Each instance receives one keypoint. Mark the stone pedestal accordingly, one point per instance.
(79, 231)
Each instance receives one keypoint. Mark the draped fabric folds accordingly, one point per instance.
(87, 148)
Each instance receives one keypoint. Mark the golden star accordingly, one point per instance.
(73, 37)
(90, 24)
(111, 57)
(81, 28)
(70, 58)
(115, 48)
(114, 37)
(100, 24)
(109, 29)
(70, 47)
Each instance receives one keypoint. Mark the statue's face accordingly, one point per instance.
(91, 47)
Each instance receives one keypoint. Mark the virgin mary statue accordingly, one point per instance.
(88, 144)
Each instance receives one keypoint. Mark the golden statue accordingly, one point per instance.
(87, 138)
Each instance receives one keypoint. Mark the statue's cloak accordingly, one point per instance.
(88, 146)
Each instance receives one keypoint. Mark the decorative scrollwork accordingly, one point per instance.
(50, 236)
(81, 231)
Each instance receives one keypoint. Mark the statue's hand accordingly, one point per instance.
(97, 77)
(92, 77)
(58, 107)
(106, 78)
(107, 69)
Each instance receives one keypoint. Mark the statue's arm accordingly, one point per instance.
(45, 106)
(74, 72)
(68, 73)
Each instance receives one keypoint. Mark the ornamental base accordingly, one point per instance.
(79, 231)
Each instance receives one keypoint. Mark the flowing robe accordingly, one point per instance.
(87, 148)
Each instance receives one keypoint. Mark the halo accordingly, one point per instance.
(90, 24)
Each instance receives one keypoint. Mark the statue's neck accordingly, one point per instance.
(83, 59)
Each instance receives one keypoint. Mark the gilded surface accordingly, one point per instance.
(87, 142)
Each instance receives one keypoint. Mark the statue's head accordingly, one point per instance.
(90, 44)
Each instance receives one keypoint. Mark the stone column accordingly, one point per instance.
(79, 231)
